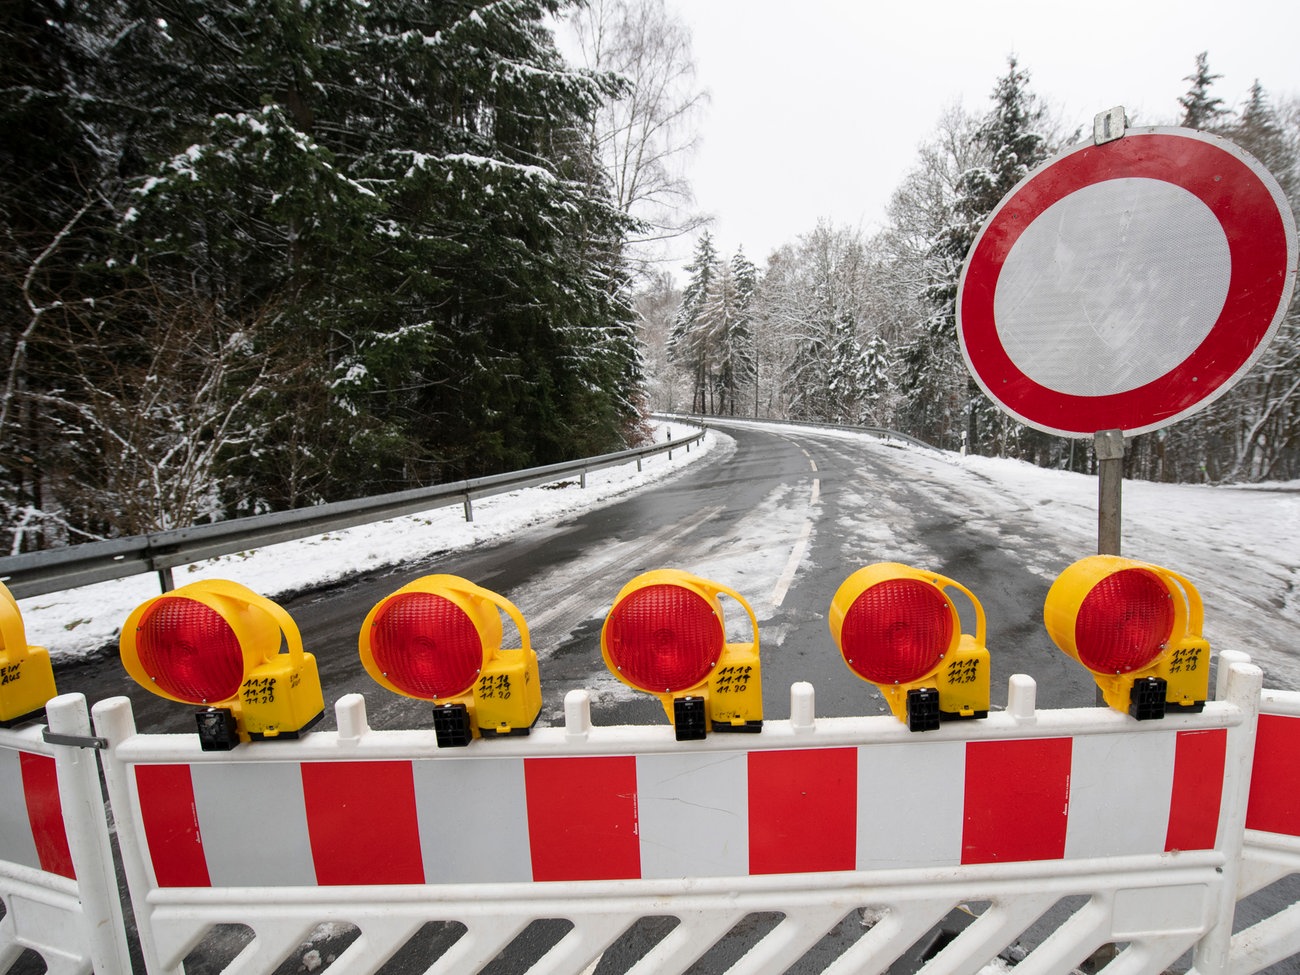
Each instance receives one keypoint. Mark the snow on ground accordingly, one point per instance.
(1239, 545)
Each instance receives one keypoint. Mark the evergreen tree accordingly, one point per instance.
(739, 370)
(1200, 109)
(824, 312)
(877, 369)
(1260, 131)
(689, 344)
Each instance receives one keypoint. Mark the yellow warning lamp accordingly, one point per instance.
(666, 634)
(439, 639)
(897, 628)
(219, 644)
(1137, 628)
(26, 675)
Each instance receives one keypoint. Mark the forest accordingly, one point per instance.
(264, 255)
(259, 256)
(843, 327)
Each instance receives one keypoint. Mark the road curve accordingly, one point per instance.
(780, 514)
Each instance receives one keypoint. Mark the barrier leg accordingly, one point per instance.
(1241, 687)
(115, 722)
(88, 841)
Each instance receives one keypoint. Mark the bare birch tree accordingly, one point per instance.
(644, 138)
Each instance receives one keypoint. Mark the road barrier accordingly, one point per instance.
(843, 838)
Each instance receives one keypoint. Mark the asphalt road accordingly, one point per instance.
(782, 517)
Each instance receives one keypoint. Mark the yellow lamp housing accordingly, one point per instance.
(26, 674)
(897, 628)
(1137, 628)
(219, 644)
(439, 639)
(666, 635)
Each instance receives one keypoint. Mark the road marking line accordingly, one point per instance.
(796, 555)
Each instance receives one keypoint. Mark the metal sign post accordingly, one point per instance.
(1109, 445)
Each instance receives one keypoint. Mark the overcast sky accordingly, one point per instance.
(818, 106)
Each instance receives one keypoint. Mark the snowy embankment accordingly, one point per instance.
(79, 622)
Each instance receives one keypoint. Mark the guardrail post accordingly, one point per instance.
(469, 508)
(166, 580)
(88, 842)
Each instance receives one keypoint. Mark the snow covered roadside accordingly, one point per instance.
(1238, 545)
(78, 622)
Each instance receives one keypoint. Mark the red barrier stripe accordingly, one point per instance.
(1274, 805)
(803, 810)
(1017, 800)
(45, 813)
(171, 825)
(1198, 789)
(362, 822)
(582, 822)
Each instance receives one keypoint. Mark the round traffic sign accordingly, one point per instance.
(1127, 285)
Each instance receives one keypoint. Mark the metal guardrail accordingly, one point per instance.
(53, 570)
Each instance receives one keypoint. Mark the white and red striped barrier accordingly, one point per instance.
(604, 826)
(686, 812)
(56, 867)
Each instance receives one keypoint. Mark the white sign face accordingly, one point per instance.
(1056, 309)
(1127, 285)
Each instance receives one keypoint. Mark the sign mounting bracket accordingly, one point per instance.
(1109, 125)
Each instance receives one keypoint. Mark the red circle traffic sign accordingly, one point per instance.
(1127, 285)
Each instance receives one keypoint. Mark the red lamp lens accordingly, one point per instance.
(664, 638)
(426, 645)
(1124, 622)
(896, 631)
(190, 651)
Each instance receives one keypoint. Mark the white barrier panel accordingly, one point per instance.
(56, 867)
(1271, 848)
(813, 819)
